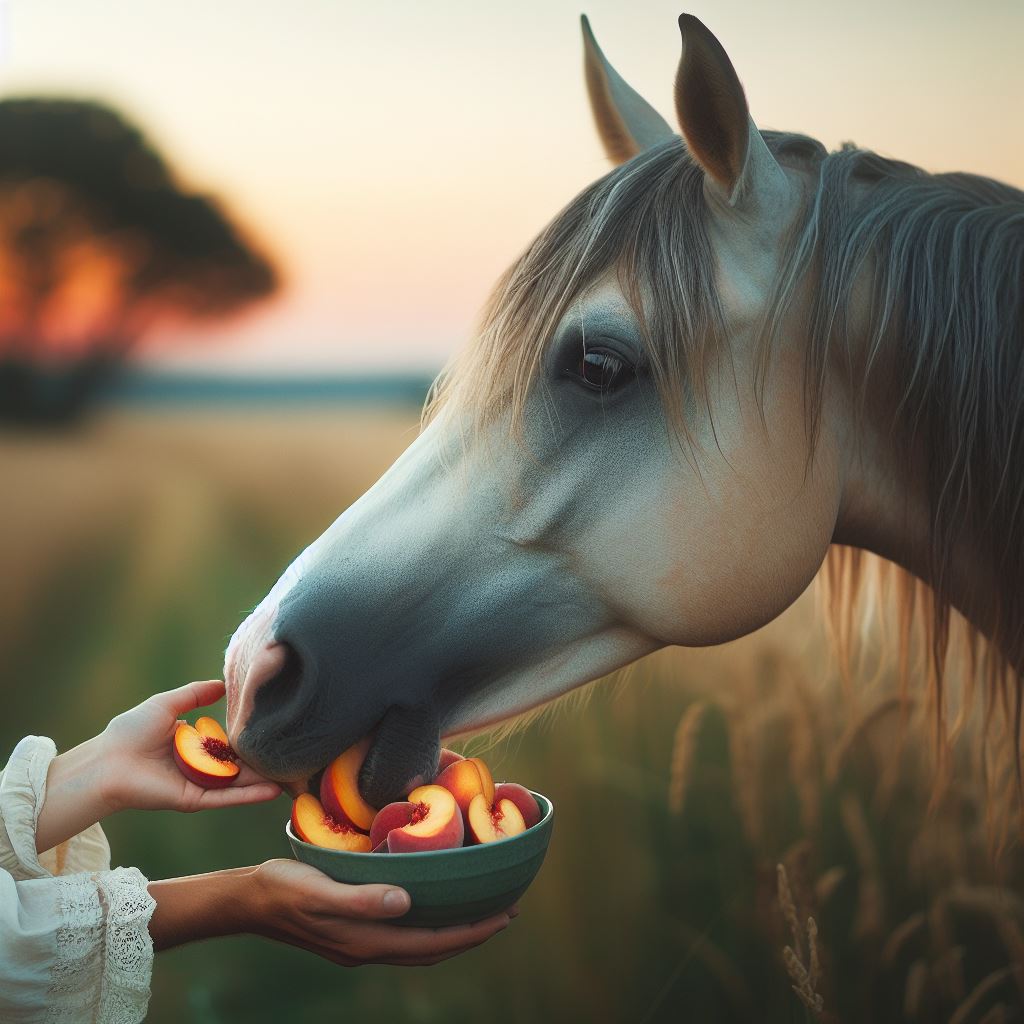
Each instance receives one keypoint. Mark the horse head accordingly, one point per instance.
(610, 467)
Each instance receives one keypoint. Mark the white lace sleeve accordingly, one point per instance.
(74, 934)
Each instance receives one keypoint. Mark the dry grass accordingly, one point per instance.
(760, 752)
(684, 747)
(863, 759)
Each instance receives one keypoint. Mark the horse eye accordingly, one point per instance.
(602, 371)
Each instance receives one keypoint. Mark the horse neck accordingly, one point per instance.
(934, 363)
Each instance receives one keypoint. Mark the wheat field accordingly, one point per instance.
(739, 836)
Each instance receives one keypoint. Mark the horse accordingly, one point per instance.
(734, 353)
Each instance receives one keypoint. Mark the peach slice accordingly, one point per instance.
(491, 822)
(485, 778)
(436, 823)
(313, 824)
(210, 727)
(394, 815)
(339, 788)
(522, 798)
(462, 780)
(447, 757)
(205, 759)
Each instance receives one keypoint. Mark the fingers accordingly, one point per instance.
(191, 696)
(249, 776)
(425, 945)
(236, 795)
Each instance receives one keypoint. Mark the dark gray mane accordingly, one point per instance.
(944, 254)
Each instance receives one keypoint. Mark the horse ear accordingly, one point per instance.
(713, 114)
(626, 122)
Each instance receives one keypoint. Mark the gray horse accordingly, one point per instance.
(732, 352)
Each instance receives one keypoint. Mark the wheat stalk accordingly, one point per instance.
(856, 730)
(915, 988)
(900, 937)
(996, 1015)
(982, 990)
(683, 748)
(870, 903)
(827, 884)
(789, 907)
(804, 979)
(745, 775)
(804, 757)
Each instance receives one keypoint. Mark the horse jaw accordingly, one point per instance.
(574, 665)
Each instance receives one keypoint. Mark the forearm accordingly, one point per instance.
(203, 906)
(75, 795)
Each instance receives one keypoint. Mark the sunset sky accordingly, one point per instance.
(396, 156)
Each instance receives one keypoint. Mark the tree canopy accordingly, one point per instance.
(100, 241)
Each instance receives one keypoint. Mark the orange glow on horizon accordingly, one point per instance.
(396, 158)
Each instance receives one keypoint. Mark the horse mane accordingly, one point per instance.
(945, 257)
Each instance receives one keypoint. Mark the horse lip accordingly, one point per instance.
(255, 633)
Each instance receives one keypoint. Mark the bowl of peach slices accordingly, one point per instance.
(462, 846)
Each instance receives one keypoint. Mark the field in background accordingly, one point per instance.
(131, 550)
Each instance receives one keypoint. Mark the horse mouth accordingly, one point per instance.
(404, 752)
(386, 774)
(264, 675)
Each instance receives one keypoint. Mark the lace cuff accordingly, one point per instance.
(103, 948)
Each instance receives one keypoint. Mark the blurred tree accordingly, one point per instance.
(98, 244)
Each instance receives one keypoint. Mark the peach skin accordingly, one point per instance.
(462, 780)
(313, 824)
(436, 823)
(339, 788)
(522, 798)
(485, 778)
(389, 817)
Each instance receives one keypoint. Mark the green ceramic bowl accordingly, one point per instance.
(446, 886)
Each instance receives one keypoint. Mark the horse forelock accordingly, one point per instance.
(645, 221)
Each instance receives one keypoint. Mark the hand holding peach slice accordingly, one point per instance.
(203, 755)
(313, 824)
(435, 824)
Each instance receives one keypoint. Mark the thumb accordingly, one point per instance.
(191, 696)
(371, 902)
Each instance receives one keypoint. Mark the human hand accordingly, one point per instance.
(349, 924)
(139, 768)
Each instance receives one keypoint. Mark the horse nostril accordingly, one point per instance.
(272, 663)
(268, 663)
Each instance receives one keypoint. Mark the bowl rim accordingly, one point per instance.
(451, 851)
